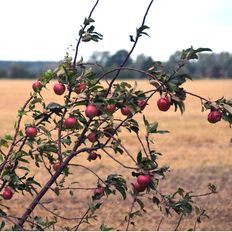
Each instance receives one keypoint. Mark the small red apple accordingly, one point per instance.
(92, 156)
(91, 111)
(7, 194)
(98, 190)
(31, 132)
(163, 104)
(70, 122)
(35, 85)
(92, 137)
(141, 104)
(56, 166)
(214, 116)
(79, 88)
(59, 88)
(138, 188)
(125, 110)
(109, 131)
(143, 180)
(111, 108)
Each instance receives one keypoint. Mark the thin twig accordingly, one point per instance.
(179, 222)
(79, 40)
(198, 219)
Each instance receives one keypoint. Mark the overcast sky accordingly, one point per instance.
(43, 30)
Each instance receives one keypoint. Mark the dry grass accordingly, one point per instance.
(198, 152)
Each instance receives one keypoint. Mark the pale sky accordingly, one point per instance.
(43, 30)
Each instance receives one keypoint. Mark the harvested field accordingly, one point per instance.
(197, 152)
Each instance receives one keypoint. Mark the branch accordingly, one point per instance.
(179, 221)
(79, 41)
(198, 219)
(132, 205)
(132, 49)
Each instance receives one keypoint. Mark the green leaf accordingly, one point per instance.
(91, 29)
(186, 76)
(152, 128)
(7, 136)
(155, 200)
(23, 160)
(57, 191)
(22, 112)
(81, 32)
(46, 131)
(3, 213)
(180, 191)
(53, 106)
(91, 75)
(139, 157)
(141, 29)
(131, 38)
(2, 224)
(86, 38)
(31, 180)
(122, 191)
(4, 143)
(197, 210)
(88, 21)
(136, 213)
(140, 203)
(75, 182)
(203, 50)
(228, 108)
(103, 227)
(1, 157)
(186, 207)
(227, 118)
(162, 131)
(135, 129)
(24, 168)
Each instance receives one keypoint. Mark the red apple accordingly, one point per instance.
(91, 111)
(7, 194)
(163, 104)
(125, 110)
(79, 88)
(109, 131)
(143, 180)
(214, 116)
(35, 85)
(138, 188)
(31, 132)
(70, 122)
(141, 104)
(92, 156)
(56, 166)
(98, 190)
(111, 108)
(59, 89)
(92, 137)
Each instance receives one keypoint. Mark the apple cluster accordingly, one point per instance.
(142, 182)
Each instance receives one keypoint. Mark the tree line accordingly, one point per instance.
(208, 65)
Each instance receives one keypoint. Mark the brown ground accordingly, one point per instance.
(198, 153)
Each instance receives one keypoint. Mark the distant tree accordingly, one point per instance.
(118, 58)
(21, 72)
(100, 57)
(3, 73)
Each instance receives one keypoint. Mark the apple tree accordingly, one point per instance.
(86, 123)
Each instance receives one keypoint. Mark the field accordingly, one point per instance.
(197, 152)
